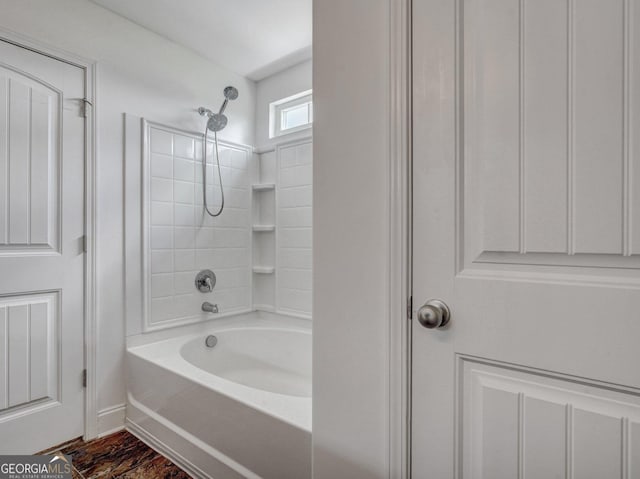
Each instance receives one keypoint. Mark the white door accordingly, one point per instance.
(41, 250)
(526, 199)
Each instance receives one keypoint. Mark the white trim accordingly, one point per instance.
(111, 420)
(90, 316)
(399, 437)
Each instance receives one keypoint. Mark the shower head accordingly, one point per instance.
(217, 121)
(231, 93)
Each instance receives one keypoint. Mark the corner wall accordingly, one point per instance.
(351, 81)
(143, 74)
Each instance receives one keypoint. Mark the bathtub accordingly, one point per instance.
(239, 409)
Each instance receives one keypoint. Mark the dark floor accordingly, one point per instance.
(118, 455)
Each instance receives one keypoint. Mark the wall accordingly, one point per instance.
(281, 85)
(350, 239)
(146, 75)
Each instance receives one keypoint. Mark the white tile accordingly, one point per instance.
(295, 217)
(183, 215)
(183, 192)
(161, 285)
(161, 189)
(287, 157)
(304, 154)
(183, 169)
(162, 261)
(161, 213)
(184, 237)
(198, 150)
(204, 238)
(239, 159)
(187, 305)
(295, 258)
(162, 309)
(183, 146)
(205, 259)
(161, 237)
(295, 279)
(161, 166)
(287, 197)
(161, 142)
(184, 260)
(225, 157)
(296, 300)
(184, 282)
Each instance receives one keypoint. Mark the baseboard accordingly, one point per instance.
(111, 420)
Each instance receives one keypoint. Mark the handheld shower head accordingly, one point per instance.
(217, 121)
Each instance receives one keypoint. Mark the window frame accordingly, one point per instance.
(277, 108)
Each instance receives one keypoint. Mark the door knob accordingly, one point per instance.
(434, 314)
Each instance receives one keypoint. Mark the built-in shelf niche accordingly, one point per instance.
(264, 231)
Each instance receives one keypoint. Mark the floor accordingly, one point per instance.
(120, 455)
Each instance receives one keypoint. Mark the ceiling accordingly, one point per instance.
(254, 38)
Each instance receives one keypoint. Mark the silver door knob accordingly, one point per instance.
(434, 314)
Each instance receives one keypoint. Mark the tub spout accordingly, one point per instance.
(209, 308)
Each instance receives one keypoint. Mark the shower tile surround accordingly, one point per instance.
(183, 239)
(293, 282)
(259, 247)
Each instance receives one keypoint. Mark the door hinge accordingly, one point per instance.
(410, 307)
(84, 243)
(84, 378)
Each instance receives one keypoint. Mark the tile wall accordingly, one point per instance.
(183, 239)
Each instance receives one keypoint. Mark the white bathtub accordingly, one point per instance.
(239, 409)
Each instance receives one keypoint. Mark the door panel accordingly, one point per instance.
(525, 186)
(41, 250)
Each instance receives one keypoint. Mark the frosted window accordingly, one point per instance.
(291, 114)
(295, 116)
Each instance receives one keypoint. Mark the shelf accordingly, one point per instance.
(261, 228)
(263, 186)
(263, 269)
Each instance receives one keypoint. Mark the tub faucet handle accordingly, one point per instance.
(205, 281)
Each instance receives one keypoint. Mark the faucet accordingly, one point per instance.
(209, 308)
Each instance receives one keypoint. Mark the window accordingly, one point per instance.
(291, 114)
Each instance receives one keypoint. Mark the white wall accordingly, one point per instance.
(350, 239)
(281, 85)
(143, 74)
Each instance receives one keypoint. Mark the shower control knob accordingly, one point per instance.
(434, 314)
(205, 281)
